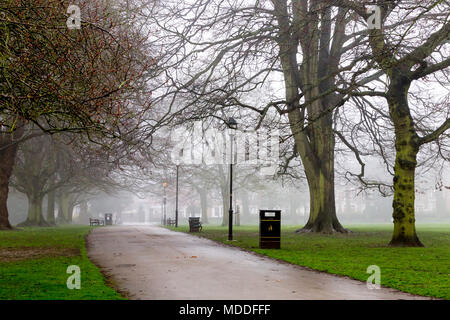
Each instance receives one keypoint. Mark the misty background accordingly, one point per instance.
(352, 204)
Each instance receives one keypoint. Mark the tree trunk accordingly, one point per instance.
(407, 147)
(204, 205)
(35, 217)
(8, 152)
(63, 209)
(245, 207)
(322, 214)
(83, 217)
(51, 208)
(318, 162)
(70, 213)
(314, 140)
(7, 158)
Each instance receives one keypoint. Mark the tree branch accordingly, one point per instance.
(436, 133)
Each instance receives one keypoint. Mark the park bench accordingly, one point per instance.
(96, 222)
(171, 222)
(194, 224)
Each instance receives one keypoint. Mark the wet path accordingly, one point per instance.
(149, 262)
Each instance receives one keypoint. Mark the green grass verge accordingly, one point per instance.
(422, 271)
(44, 276)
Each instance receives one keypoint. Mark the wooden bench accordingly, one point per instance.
(194, 224)
(170, 222)
(96, 222)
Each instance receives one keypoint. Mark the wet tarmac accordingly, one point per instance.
(149, 262)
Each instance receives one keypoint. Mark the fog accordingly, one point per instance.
(353, 205)
(196, 69)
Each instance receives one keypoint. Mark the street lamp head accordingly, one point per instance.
(176, 160)
(232, 123)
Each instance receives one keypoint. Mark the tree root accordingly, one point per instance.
(28, 223)
(406, 242)
(318, 229)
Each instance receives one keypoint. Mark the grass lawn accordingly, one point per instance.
(422, 271)
(34, 261)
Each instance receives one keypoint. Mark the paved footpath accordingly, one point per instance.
(149, 262)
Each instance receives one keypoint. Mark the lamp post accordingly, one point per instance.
(176, 202)
(177, 163)
(164, 184)
(233, 125)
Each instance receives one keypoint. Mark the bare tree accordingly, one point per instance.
(218, 52)
(418, 49)
(35, 167)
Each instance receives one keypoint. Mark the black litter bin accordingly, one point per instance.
(108, 219)
(269, 229)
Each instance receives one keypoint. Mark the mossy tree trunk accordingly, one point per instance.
(406, 147)
(401, 72)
